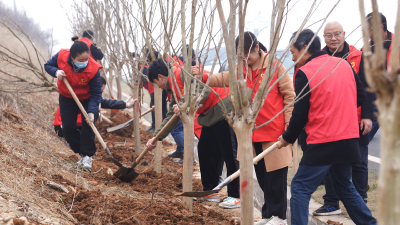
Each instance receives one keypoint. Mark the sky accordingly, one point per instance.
(52, 14)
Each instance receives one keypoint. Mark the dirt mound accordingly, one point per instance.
(119, 118)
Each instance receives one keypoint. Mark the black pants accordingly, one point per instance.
(80, 142)
(274, 186)
(58, 130)
(164, 108)
(216, 143)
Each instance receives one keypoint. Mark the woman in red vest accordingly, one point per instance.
(82, 73)
(272, 170)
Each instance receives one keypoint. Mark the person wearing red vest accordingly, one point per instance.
(215, 139)
(271, 171)
(95, 52)
(387, 44)
(329, 93)
(338, 47)
(82, 73)
(58, 124)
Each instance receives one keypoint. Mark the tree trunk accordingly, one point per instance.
(389, 174)
(188, 129)
(118, 82)
(110, 79)
(136, 114)
(158, 116)
(245, 151)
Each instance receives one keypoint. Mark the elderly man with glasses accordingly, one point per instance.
(338, 47)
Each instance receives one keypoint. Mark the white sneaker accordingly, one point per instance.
(79, 163)
(230, 203)
(87, 163)
(261, 222)
(276, 221)
(210, 198)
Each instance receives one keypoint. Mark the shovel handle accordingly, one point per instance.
(155, 139)
(106, 119)
(86, 116)
(149, 110)
(257, 158)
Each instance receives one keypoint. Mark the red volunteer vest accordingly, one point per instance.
(197, 126)
(388, 53)
(150, 87)
(89, 43)
(78, 81)
(273, 104)
(211, 100)
(57, 119)
(354, 59)
(333, 104)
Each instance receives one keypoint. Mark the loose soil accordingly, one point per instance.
(149, 199)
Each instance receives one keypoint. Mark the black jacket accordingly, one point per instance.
(97, 53)
(112, 104)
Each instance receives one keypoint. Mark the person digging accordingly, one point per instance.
(215, 139)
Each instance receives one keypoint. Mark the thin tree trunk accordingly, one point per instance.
(188, 129)
(136, 113)
(158, 117)
(245, 151)
(118, 82)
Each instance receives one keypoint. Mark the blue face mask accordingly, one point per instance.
(81, 65)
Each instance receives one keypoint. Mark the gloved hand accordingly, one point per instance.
(131, 103)
(60, 74)
(91, 118)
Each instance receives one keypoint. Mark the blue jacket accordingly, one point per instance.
(51, 68)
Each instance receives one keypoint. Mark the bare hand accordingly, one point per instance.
(196, 72)
(366, 124)
(131, 103)
(60, 74)
(286, 126)
(176, 110)
(91, 118)
(282, 142)
(151, 146)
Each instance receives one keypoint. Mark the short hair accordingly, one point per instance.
(187, 50)
(149, 58)
(158, 66)
(103, 80)
(88, 34)
(304, 38)
(383, 20)
(250, 42)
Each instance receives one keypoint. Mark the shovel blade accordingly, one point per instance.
(197, 193)
(123, 125)
(126, 174)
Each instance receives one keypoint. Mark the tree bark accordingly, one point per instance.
(245, 151)
(187, 182)
(136, 113)
(158, 116)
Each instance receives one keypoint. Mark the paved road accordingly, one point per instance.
(374, 150)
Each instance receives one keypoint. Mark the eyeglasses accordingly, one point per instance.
(330, 36)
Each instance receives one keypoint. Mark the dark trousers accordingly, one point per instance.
(215, 142)
(58, 130)
(177, 134)
(80, 142)
(306, 181)
(359, 175)
(274, 186)
(164, 108)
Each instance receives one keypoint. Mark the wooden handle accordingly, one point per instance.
(257, 158)
(155, 139)
(150, 110)
(129, 98)
(84, 113)
(106, 119)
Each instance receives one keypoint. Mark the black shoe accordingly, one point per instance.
(327, 210)
(176, 154)
(151, 129)
(181, 161)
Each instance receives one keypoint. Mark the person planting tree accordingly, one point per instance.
(215, 139)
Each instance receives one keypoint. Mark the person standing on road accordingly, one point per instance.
(338, 47)
(272, 170)
(95, 52)
(82, 73)
(215, 138)
(329, 113)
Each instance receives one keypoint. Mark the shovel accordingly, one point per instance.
(126, 124)
(228, 179)
(128, 174)
(91, 124)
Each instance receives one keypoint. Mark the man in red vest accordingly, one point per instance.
(95, 52)
(329, 113)
(215, 139)
(338, 47)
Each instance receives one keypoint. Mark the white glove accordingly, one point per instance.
(131, 103)
(91, 118)
(60, 74)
